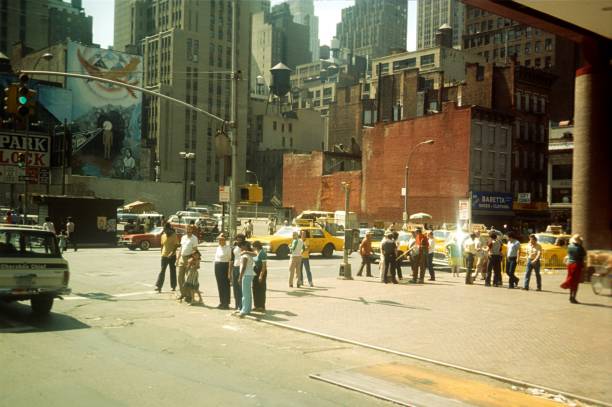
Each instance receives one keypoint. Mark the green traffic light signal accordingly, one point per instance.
(22, 100)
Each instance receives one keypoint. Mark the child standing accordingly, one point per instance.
(192, 284)
(63, 241)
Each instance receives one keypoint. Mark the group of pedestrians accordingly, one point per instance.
(240, 268)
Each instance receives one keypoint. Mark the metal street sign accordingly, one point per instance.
(224, 193)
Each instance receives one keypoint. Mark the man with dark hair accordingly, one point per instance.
(389, 251)
(421, 250)
(365, 250)
(469, 249)
(513, 248)
(494, 261)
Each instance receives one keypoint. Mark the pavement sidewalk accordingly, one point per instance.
(537, 337)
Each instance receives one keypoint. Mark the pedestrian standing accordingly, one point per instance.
(454, 255)
(259, 281)
(494, 265)
(189, 243)
(430, 256)
(365, 251)
(234, 278)
(422, 251)
(249, 229)
(575, 264)
(271, 226)
(9, 217)
(247, 273)
(534, 254)
(223, 257)
(469, 249)
(305, 258)
(62, 241)
(71, 232)
(297, 245)
(398, 261)
(389, 250)
(512, 254)
(192, 283)
(169, 245)
(481, 258)
(48, 225)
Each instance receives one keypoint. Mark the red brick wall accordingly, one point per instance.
(302, 180)
(439, 173)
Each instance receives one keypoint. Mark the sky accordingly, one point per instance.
(328, 11)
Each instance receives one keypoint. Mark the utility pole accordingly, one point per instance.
(64, 154)
(345, 267)
(233, 128)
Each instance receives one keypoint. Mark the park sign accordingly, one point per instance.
(491, 201)
(37, 152)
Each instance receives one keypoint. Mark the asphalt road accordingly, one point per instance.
(115, 342)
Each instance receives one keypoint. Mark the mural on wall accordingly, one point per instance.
(106, 131)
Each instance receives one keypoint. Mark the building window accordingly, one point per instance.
(528, 62)
(273, 125)
(527, 48)
(404, 64)
(477, 160)
(291, 142)
(562, 172)
(427, 59)
(517, 101)
(491, 162)
(536, 48)
(547, 62)
(548, 44)
(290, 127)
(517, 159)
(503, 138)
(491, 135)
(282, 127)
(283, 142)
(502, 164)
(537, 62)
(477, 134)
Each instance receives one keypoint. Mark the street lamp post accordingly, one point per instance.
(186, 156)
(346, 267)
(405, 214)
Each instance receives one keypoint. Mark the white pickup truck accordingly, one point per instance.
(31, 267)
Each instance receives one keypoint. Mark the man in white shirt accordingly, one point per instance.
(534, 254)
(297, 245)
(235, 276)
(223, 271)
(70, 230)
(430, 256)
(189, 242)
(469, 249)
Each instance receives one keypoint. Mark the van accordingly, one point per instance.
(31, 267)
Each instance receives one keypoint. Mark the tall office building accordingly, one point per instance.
(373, 27)
(276, 38)
(499, 40)
(303, 13)
(186, 48)
(25, 21)
(432, 14)
(68, 20)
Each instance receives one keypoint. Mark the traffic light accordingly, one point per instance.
(21, 160)
(251, 193)
(25, 97)
(10, 99)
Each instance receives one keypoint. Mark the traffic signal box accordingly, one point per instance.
(251, 193)
(26, 97)
(10, 99)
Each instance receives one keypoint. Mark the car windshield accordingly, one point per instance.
(546, 239)
(285, 231)
(28, 243)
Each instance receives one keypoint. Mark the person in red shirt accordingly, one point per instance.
(422, 252)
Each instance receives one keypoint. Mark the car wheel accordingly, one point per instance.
(282, 252)
(328, 250)
(145, 245)
(132, 247)
(41, 304)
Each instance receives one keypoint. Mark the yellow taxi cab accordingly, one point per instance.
(554, 250)
(319, 241)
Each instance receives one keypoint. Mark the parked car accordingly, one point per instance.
(320, 241)
(145, 241)
(32, 267)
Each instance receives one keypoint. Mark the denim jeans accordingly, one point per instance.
(510, 268)
(247, 294)
(305, 265)
(236, 287)
(536, 267)
(495, 266)
(166, 262)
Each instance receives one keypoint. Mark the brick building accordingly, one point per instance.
(440, 174)
(500, 39)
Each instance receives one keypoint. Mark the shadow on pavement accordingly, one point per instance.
(20, 314)
(361, 300)
(590, 304)
(273, 315)
(97, 296)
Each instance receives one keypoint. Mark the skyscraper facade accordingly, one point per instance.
(373, 27)
(303, 13)
(186, 48)
(432, 14)
(25, 21)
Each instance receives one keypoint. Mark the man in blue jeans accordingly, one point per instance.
(513, 247)
(534, 254)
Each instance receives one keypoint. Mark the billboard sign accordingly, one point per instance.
(38, 158)
(524, 197)
(492, 201)
(106, 135)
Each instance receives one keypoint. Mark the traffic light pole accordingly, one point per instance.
(233, 128)
(25, 167)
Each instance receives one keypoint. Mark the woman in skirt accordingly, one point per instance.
(575, 264)
(192, 285)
